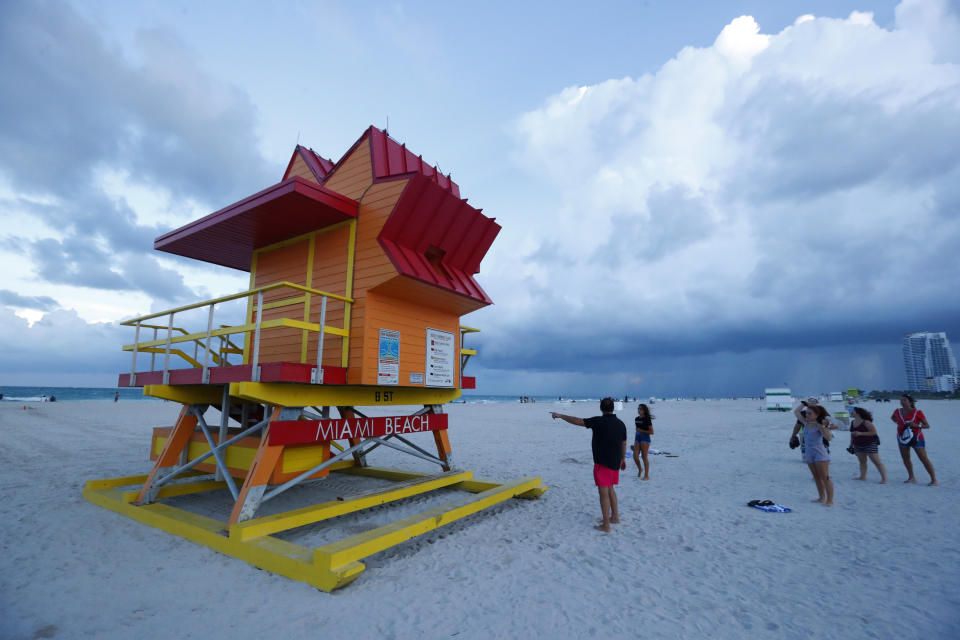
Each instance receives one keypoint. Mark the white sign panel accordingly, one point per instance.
(388, 359)
(441, 358)
(416, 378)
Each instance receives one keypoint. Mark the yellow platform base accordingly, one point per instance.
(330, 566)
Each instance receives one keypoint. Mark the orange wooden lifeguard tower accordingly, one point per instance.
(359, 273)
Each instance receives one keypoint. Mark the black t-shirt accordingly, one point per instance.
(609, 433)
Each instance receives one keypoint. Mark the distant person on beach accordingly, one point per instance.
(641, 444)
(816, 432)
(909, 417)
(609, 445)
(864, 441)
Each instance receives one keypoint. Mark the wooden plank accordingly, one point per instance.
(309, 395)
(349, 550)
(351, 504)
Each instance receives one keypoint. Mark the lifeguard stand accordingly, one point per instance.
(359, 273)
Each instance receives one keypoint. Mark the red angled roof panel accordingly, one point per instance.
(428, 217)
(285, 210)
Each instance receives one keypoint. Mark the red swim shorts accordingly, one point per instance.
(604, 476)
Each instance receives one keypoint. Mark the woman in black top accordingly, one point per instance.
(641, 444)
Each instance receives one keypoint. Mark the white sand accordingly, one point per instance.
(689, 560)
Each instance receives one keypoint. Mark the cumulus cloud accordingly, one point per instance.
(82, 109)
(785, 190)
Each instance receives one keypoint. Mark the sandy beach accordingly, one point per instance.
(689, 559)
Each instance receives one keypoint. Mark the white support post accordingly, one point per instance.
(166, 355)
(224, 419)
(317, 377)
(255, 362)
(153, 356)
(133, 367)
(206, 353)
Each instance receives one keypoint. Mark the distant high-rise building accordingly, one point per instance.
(929, 361)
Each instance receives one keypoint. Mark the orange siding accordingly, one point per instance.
(301, 169)
(408, 288)
(411, 319)
(383, 299)
(354, 174)
(329, 274)
(371, 266)
(288, 264)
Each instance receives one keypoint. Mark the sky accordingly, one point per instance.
(697, 198)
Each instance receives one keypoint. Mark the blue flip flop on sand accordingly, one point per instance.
(769, 506)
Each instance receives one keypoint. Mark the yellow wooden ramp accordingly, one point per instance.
(327, 567)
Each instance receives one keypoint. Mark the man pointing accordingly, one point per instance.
(609, 446)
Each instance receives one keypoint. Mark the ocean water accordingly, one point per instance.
(69, 394)
(498, 399)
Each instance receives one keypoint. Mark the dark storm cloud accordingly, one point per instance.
(79, 107)
(602, 340)
(62, 343)
(38, 303)
(80, 103)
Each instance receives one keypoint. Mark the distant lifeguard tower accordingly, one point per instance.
(359, 273)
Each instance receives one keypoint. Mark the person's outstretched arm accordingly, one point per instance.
(571, 419)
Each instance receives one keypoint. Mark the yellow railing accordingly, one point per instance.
(256, 327)
(464, 352)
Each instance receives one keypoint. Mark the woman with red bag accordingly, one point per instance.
(910, 424)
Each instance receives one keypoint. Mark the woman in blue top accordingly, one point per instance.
(641, 444)
(816, 431)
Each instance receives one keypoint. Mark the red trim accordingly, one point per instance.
(287, 432)
(468, 382)
(269, 372)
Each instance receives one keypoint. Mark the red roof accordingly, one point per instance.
(436, 237)
(285, 210)
(390, 158)
(320, 166)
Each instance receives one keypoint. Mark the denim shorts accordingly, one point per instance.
(642, 437)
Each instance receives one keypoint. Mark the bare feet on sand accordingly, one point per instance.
(828, 504)
(883, 482)
(858, 478)
(817, 500)
(910, 480)
(932, 483)
(600, 527)
(614, 520)
(645, 478)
